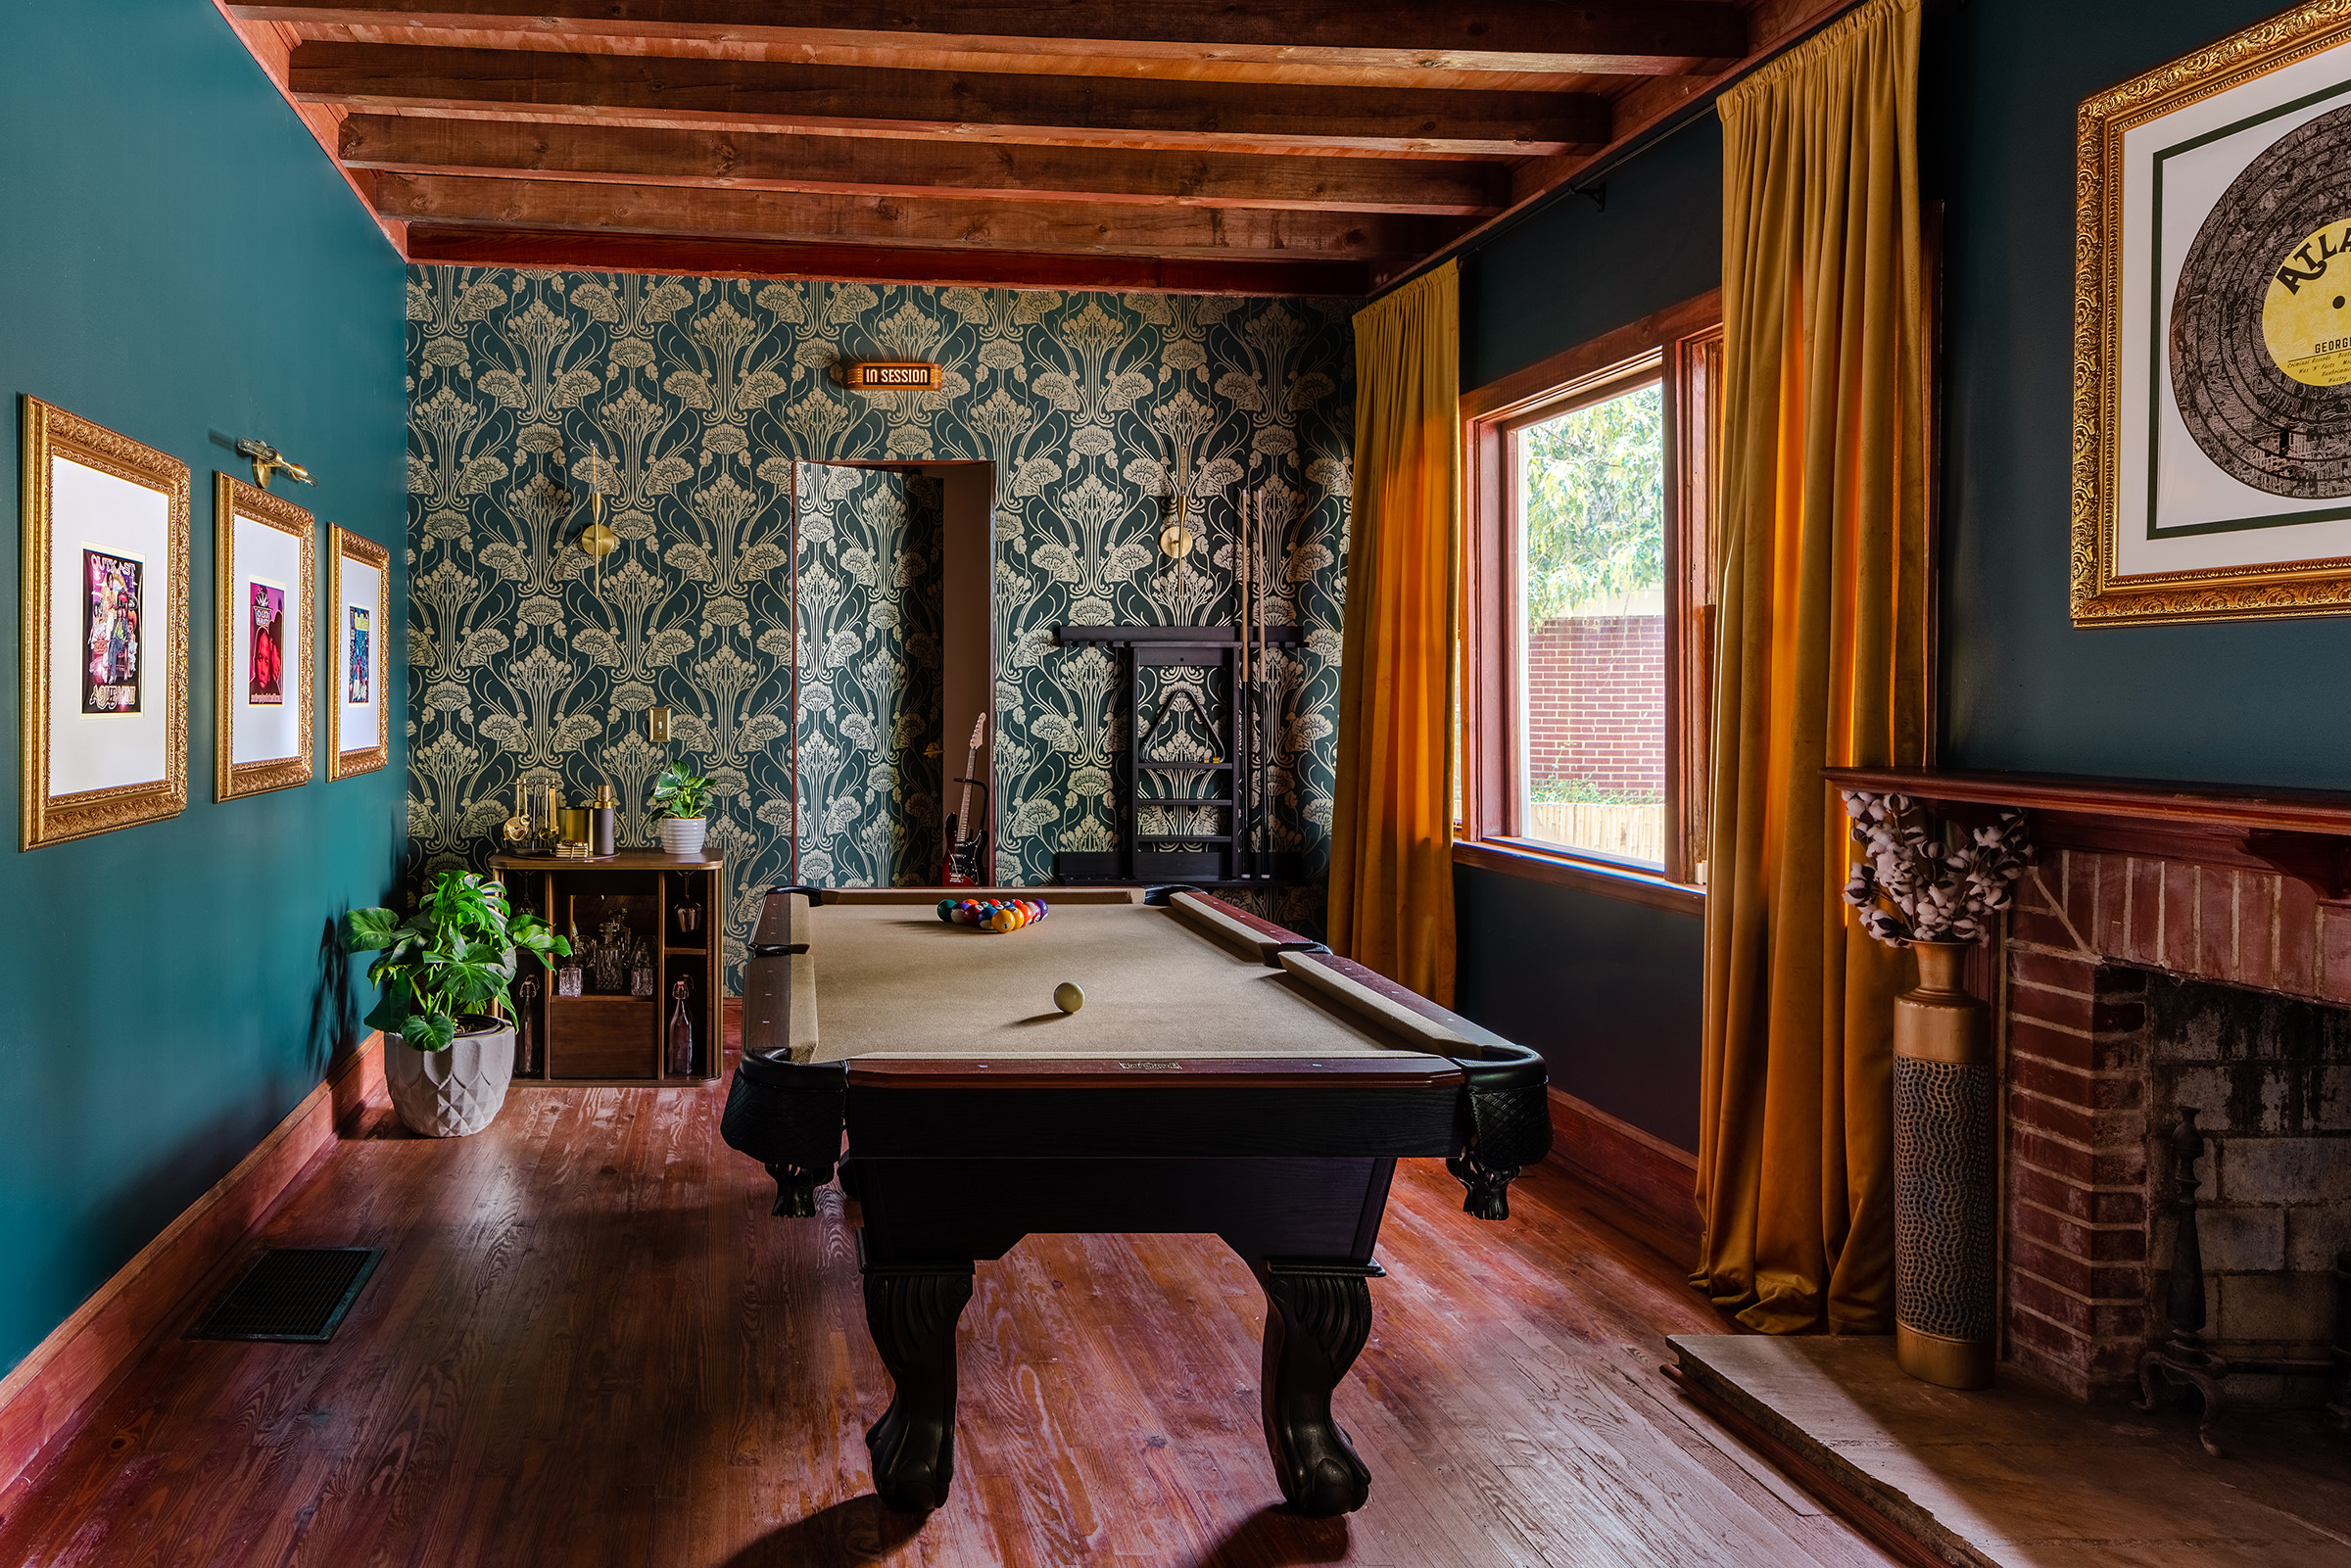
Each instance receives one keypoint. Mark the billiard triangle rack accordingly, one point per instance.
(1240, 717)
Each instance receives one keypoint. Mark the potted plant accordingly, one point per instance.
(679, 797)
(447, 1060)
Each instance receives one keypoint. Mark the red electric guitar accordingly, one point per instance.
(967, 842)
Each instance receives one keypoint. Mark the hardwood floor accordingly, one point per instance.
(588, 1344)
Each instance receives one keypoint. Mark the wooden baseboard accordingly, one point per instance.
(1640, 1167)
(84, 1357)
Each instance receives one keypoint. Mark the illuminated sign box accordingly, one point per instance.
(890, 375)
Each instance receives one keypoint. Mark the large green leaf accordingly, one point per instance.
(429, 1031)
(367, 929)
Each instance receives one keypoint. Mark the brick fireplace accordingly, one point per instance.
(2176, 946)
(2137, 983)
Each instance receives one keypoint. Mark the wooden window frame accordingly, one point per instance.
(1681, 347)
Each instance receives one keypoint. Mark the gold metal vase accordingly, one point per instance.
(1944, 1207)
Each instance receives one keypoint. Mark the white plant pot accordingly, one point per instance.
(682, 837)
(453, 1092)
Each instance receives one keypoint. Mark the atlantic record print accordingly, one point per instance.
(2212, 332)
(2261, 320)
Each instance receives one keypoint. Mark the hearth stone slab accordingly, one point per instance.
(2020, 1477)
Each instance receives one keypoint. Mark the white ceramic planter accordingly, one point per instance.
(450, 1093)
(682, 837)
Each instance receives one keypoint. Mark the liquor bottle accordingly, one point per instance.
(681, 1035)
(526, 1048)
(569, 979)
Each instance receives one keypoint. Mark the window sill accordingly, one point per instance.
(1584, 875)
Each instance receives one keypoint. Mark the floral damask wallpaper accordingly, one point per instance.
(685, 403)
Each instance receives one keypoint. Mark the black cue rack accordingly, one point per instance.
(1242, 855)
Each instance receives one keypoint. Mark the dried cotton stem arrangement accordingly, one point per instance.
(1911, 887)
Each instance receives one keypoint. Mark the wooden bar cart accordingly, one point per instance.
(606, 1035)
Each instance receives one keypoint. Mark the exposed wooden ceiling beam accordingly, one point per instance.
(1070, 111)
(1160, 36)
(689, 257)
(1776, 24)
(879, 165)
(804, 217)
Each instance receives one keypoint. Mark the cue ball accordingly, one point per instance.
(1068, 997)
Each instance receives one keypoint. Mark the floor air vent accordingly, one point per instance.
(290, 1296)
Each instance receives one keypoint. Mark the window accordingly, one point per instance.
(1586, 655)
(1589, 494)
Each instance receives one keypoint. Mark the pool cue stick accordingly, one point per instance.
(1264, 700)
(1260, 744)
(1242, 739)
(1257, 506)
(1269, 700)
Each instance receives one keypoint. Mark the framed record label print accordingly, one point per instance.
(2212, 350)
(265, 547)
(106, 629)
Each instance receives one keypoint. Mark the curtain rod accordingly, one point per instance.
(1595, 172)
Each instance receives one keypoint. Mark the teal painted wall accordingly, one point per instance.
(2023, 689)
(1608, 991)
(179, 256)
(1576, 268)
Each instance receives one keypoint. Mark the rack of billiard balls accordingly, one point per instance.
(993, 914)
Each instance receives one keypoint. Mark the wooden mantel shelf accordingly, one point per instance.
(2303, 834)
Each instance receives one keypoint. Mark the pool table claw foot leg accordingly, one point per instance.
(1485, 1189)
(912, 1313)
(796, 1188)
(1317, 1317)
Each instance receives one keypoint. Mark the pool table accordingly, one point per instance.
(1223, 1076)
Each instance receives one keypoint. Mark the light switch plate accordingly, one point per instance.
(657, 723)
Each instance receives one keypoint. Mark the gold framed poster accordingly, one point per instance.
(105, 656)
(359, 612)
(2212, 349)
(265, 552)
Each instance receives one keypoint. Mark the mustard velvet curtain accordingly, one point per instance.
(1391, 855)
(1824, 659)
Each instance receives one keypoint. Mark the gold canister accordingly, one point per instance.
(575, 825)
(1944, 1207)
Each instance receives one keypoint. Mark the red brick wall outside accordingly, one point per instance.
(1595, 702)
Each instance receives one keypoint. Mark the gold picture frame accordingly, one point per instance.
(89, 770)
(336, 641)
(2156, 539)
(263, 698)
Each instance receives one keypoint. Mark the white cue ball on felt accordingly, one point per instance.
(1068, 997)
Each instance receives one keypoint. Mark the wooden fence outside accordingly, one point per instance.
(1632, 832)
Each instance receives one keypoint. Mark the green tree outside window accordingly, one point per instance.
(1595, 504)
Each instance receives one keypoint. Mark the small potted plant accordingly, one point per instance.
(447, 1060)
(680, 795)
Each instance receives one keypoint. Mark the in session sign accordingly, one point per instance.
(890, 375)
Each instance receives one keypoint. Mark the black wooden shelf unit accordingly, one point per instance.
(1240, 718)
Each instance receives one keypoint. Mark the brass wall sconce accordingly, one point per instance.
(597, 540)
(268, 460)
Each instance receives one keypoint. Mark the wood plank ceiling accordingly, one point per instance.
(1241, 146)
